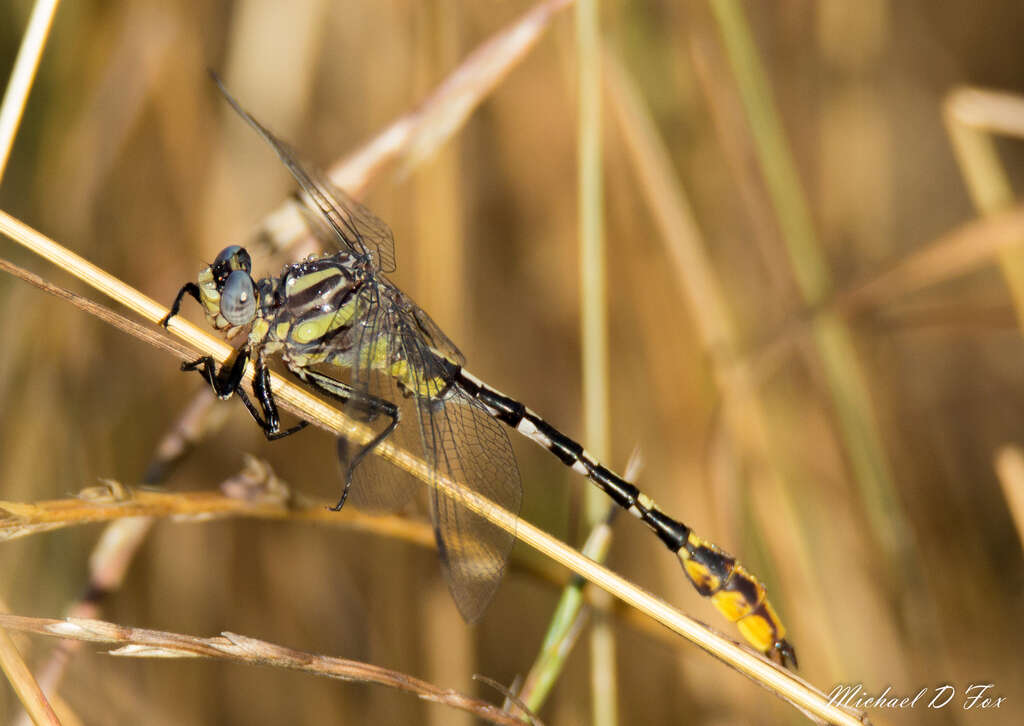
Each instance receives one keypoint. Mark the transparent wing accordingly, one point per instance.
(344, 222)
(351, 225)
(429, 331)
(464, 443)
(453, 434)
(472, 449)
(377, 484)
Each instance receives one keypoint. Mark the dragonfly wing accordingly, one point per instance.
(455, 436)
(463, 443)
(351, 226)
(435, 337)
(350, 223)
(472, 449)
(377, 484)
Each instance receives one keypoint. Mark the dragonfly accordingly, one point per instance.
(340, 325)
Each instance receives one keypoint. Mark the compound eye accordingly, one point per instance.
(233, 257)
(238, 298)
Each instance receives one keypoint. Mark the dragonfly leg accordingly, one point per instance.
(271, 423)
(189, 289)
(225, 383)
(363, 406)
(228, 382)
(354, 461)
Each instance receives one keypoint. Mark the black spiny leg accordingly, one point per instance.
(225, 383)
(370, 446)
(261, 387)
(189, 289)
(229, 382)
(364, 406)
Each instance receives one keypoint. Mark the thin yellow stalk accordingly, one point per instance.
(593, 276)
(23, 74)
(594, 327)
(23, 682)
(783, 683)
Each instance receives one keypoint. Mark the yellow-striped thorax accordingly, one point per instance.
(321, 311)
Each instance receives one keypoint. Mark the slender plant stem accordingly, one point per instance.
(594, 327)
(23, 682)
(23, 74)
(145, 643)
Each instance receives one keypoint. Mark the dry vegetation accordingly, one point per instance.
(814, 336)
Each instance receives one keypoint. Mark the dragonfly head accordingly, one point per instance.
(228, 292)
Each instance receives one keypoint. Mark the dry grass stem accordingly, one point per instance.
(144, 643)
(33, 41)
(156, 339)
(199, 419)
(512, 704)
(113, 501)
(24, 684)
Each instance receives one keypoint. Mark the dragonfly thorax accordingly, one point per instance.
(309, 312)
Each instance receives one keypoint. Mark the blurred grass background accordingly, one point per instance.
(128, 156)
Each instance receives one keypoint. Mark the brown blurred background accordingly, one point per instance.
(128, 157)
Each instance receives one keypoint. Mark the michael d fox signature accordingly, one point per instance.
(976, 697)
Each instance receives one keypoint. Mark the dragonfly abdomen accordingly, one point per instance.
(715, 574)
